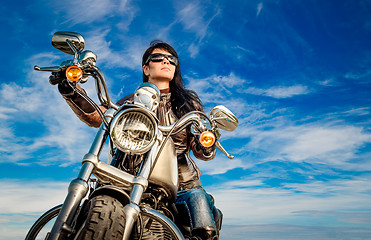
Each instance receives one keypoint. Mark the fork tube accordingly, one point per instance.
(78, 189)
(132, 210)
(99, 141)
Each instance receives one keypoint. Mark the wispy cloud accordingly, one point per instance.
(23, 202)
(292, 232)
(219, 166)
(4, 111)
(214, 88)
(38, 104)
(265, 205)
(97, 12)
(322, 142)
(26, 197)
(361, 75)
(343, 216)
(279, 91)
(328, 144)
(259, 8)
(128, 57)
(194, 18)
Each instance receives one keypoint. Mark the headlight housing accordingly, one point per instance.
(134, 130)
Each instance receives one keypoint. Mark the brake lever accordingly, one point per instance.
(47, 69)
(220, 147)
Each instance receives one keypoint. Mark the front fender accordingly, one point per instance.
(112, 191)
(164, 220)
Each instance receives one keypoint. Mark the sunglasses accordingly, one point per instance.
(159, 57)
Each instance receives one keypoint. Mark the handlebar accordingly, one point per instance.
(96, 73)
(47, 69)
(192, 117)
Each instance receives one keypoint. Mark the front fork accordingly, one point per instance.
(79, 187)
(77, 190)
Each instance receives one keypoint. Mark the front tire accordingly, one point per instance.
(38, 226)
(105, 219)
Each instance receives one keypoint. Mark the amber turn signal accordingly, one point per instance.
(207, 139)
(73, 73)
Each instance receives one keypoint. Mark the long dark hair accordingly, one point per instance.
(182, 100)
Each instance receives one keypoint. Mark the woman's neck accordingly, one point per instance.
(161, 84)
(167, 90)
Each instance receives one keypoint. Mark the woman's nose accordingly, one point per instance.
(165, 61)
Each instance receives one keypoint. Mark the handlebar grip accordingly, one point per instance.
(54, 79)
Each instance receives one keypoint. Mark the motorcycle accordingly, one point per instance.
(132, 195)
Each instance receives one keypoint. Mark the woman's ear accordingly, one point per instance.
(146, 70)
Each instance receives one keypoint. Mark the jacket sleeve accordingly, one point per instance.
(83, 109)
(201, 152)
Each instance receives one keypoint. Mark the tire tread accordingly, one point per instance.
(105, 220)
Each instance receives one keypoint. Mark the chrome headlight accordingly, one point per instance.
(134, 130)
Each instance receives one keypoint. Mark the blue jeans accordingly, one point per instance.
(200, 206)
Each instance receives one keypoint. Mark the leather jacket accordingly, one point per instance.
(188, 172)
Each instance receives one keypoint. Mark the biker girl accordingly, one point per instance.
(160, 65)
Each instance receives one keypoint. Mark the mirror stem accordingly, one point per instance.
(76, 53)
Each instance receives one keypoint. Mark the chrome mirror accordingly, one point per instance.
(68, 42)
(87, 57)
(223, 118)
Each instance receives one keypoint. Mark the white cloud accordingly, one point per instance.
(4, 111)
(128, 57)
(36, 102)
(215, 88)
(292, 232)
(26, 197)
(194, 19)
(271, 135)
(358, 111)
(359, 75)
(22, 203)
(331, 145)
(94, 12)
(221, 164)
(279, 91)
(319, 142)
(259, 8)
(243, 203)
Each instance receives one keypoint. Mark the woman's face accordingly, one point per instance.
(159, 73)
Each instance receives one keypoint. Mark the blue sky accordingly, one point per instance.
(296, 74)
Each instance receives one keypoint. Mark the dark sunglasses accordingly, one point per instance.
(159, 57)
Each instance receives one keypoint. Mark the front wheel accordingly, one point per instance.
(37, 229)
(105, 219)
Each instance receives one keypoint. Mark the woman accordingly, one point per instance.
(161, 67)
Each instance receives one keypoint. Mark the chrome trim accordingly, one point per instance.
(78, 188)
(63, 40)
(47, 69)
(76, 192)
(118, 117)
(221, 148)
(100, 85)
(88, 58)
(223, 118)
(165, 220)
(99, 140)
(131, 213)
(148, 95)
(183, 122)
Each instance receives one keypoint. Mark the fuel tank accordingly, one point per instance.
(165, 172)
